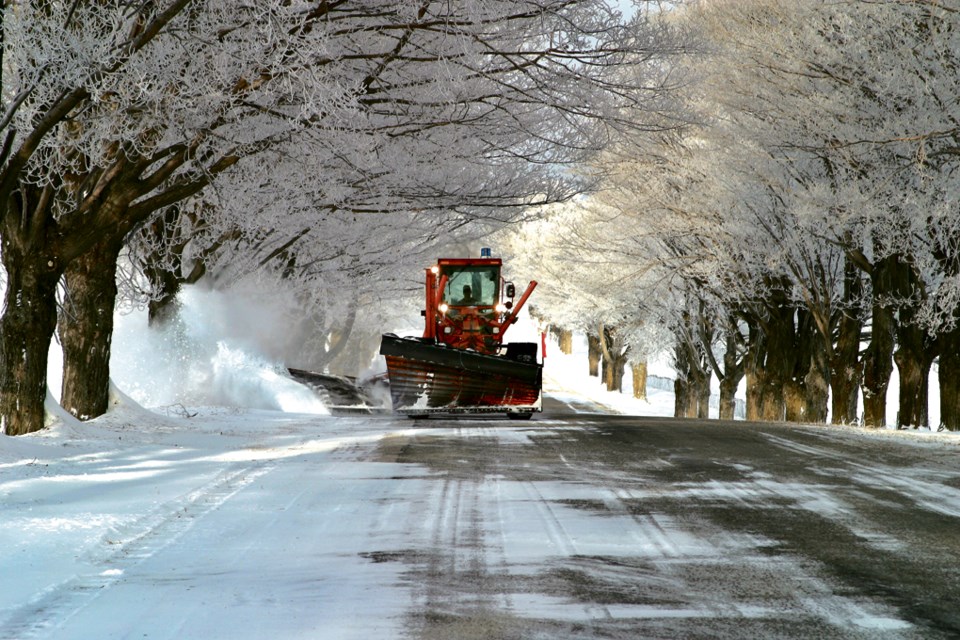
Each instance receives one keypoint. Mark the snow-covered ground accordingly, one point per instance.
(129, 525)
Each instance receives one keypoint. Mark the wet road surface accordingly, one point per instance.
(587, 526)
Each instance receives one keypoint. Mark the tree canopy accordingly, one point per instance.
(307, 119)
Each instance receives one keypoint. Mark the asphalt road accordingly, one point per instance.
(577, 525)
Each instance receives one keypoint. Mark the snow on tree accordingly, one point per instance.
(818, 189)
(852, 102)
(115, 112)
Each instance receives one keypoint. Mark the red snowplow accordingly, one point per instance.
(461, 364)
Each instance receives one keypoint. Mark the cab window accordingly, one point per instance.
(472, 286)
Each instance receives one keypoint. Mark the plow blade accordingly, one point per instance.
(427, 378)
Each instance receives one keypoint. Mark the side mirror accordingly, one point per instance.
(511, 290)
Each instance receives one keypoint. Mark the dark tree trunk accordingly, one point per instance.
(594, 353)
(703, 399)
(692, 385)
(806, 389)
(36, 249)
(728, 398)
(949, 376)
(753, 370)
(914, 356)
(913, 365)
(817, 382)
(684, 398)
(779, 365)
(915, 349)
(878, 359)
(26, 328)
(86, 330)
(733, 371)
(948, 342)
(163, 307)
(754, 403)
(692, 394)
(845, 364)
(877, 367)
(794, 401)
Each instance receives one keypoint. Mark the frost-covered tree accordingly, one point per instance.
(825, 150)
(114, 111)
(852, 101)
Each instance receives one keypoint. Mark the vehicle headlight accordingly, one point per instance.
(444, 307)
(501, 308)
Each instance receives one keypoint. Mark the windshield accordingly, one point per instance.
(472, 286)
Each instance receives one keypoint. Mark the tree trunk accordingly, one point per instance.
(86, 329)
(845, 366)
(805, 387)
(26, 329)
(949, 376)
(754, 389)
(915, 350)
(772, 401)
(564, 339)
(703, 397)
(163, 263)
(877, 367)
(753, 371)
(878, 359)
(692, 386)
(640, 380)
(808, 383)
(614, 373)
(728, 397)
(794, 401)
(733, 370)
(163, 307)
(817, 383)
(914, 356)
(913, 367)
(594, 353)
(684, 399)
(779, 362)
(615, 356)
(845, 372)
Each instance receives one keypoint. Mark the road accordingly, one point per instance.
(594, 526)
(574, 525)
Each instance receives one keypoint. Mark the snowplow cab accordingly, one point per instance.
(461, 363)
(468, 313)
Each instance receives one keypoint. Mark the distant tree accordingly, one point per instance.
(824, 150)
(114, 112)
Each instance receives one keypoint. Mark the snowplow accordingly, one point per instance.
(461, 363)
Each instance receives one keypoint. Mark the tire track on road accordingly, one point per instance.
(54, 606)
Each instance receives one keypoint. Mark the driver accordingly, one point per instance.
(467, 299)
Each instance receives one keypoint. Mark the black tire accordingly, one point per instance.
(520, 416)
